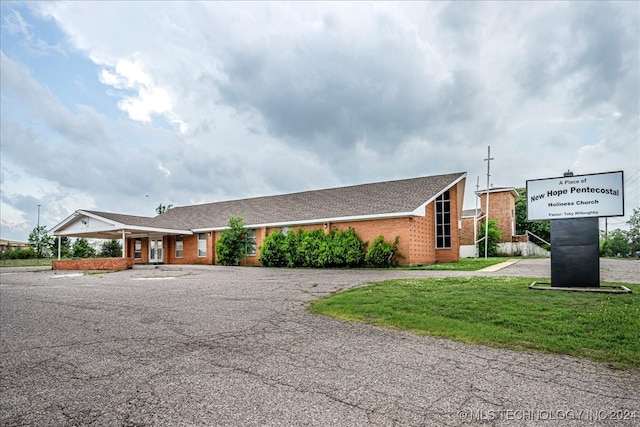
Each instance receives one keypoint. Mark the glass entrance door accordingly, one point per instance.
(155, 250)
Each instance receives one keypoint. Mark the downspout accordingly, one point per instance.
(59, 248)
(124, 246)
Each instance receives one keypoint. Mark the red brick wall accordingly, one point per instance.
(502, 207)
(144, 253)
(93, 264)
(466, 234)
(189, 250)
(416, 238)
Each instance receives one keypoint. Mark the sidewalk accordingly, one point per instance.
(500, 266)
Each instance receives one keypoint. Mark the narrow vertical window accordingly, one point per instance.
(202, 244)
(251, 242)
(137, 248)
(179, 247)
(443, 221)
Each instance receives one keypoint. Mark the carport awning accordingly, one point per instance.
(105, 225)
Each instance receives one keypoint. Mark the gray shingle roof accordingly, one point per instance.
(140, 221)
(381, 198)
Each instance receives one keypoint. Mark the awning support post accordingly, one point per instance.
(124, 246)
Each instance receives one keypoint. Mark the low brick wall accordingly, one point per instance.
(93, 264)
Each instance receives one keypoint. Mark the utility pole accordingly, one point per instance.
(38, 234)
(475, 219)
(486, 218)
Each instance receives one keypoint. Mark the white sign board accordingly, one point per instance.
(579, 196)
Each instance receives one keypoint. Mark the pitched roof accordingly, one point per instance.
(357, 201)
(140, 221)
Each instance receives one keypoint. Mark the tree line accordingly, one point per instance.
(42, 245)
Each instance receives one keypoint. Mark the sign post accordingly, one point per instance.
(574, 204)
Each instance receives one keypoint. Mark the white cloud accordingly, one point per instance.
(227, 100)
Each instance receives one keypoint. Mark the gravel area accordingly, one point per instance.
(200, 346)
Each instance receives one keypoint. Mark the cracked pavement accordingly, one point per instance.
(190, 345)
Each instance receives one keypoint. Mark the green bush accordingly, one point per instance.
(27, 253)
(293, 252)
(314, 249)
(348, 249)
(232, 245)
(382, 254)
(494, 238)
(273, 252)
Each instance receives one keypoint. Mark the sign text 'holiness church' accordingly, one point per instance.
(580, 196)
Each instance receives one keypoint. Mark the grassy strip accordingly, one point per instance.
(465, 264)
(33, 262)
(501, 312)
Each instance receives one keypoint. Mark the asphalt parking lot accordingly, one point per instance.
(236, 346)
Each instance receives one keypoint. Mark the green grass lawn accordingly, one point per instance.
(465, 264)
(34, 262)
(501, 312)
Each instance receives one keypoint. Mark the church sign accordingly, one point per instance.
(579, 196)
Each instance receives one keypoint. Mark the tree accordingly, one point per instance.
(41, 242)
(541, 229)
(162, 208)
(634, 230)
(111, 249)
(232, 244)
(65, 247)
(619, 243)
(494, 237)
(82, 248)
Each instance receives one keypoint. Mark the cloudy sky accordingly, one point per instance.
(120, 106)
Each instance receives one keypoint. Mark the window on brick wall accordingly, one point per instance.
(137, 248)
(443, 221)
(202, 244)
(251, 242)
(179, 247)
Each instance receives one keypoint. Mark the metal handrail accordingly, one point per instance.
(528, 233)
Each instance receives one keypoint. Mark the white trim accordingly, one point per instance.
(116, 226)
(422, 207)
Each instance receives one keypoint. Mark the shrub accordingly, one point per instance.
(273, 252)
(382, 254)
(315, 248)
(232, 245)
(348, 249)
(293, 252)
(27, 253)
(494, 237)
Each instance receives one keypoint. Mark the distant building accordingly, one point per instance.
(10, 245)
(502, 209)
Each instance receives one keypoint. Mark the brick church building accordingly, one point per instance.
(424, 212)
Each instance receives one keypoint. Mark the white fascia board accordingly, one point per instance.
(316, 221)
(120, 226)
(420, 210)
(511, 190)
(101, 218)
(64, 222)
(158, 230)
